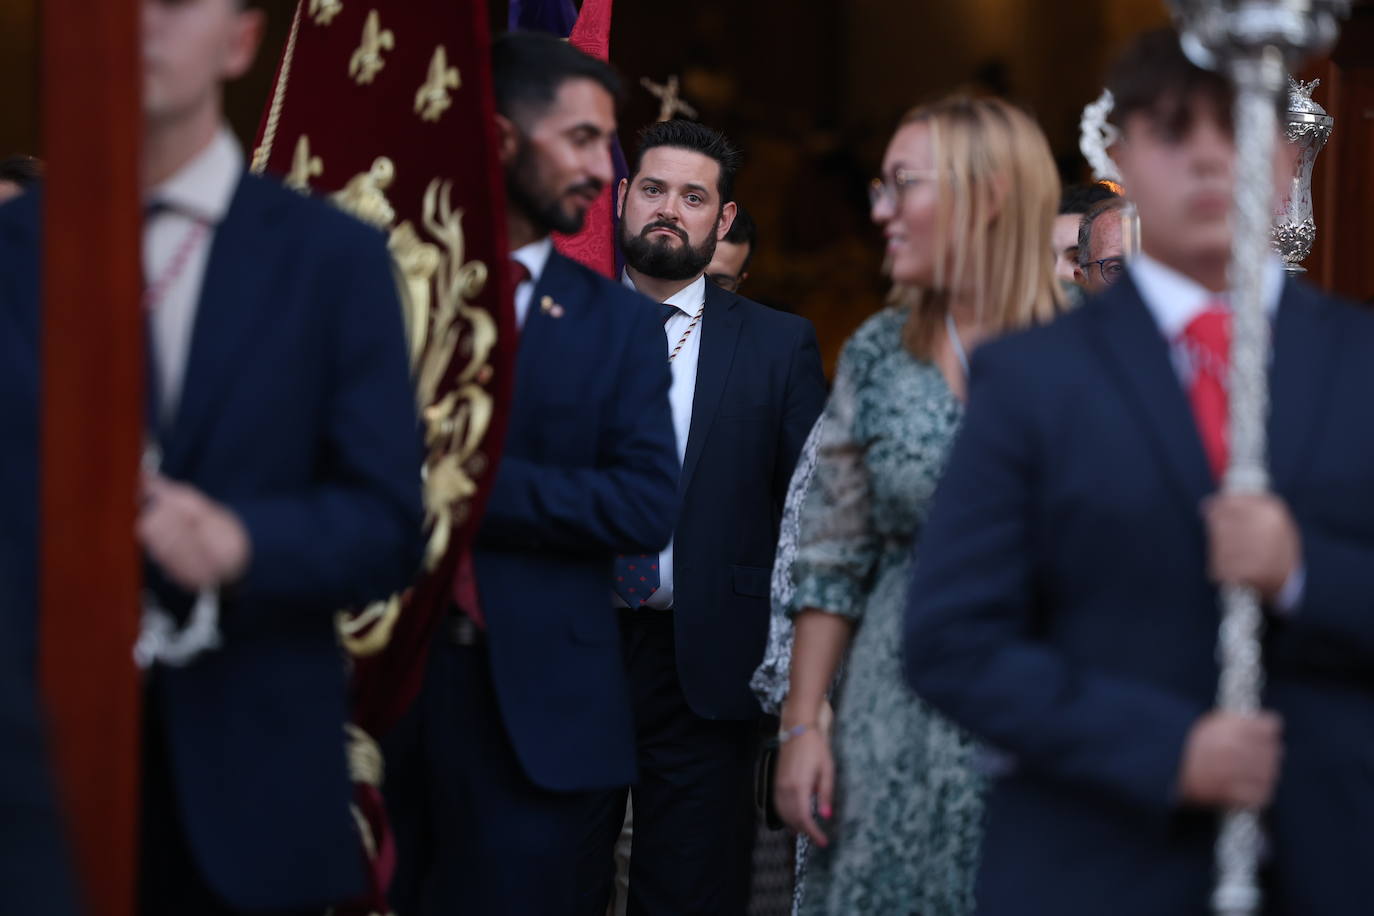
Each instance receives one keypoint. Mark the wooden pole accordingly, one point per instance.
(92, 356)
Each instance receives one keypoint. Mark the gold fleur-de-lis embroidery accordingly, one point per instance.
(303, 166)
(324, 11)
(452, 339)
(433, 98)
(367, 59)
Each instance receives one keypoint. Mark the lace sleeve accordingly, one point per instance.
(837, 548)
(770, 680)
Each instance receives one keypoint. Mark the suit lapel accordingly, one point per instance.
(720, 326)
(1138, 358)
(539, 335)
(1299, 380)
(236, 298)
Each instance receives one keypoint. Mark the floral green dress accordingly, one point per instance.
(908, 801)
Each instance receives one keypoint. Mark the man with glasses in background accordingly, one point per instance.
(1101, 245)
(1074, 204)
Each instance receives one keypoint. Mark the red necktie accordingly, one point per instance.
(465, 574)
(1208, 339)
(465, 590)
(519, 273)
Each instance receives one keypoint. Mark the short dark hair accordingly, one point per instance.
(689, 135)
(1080, 198)
(1085, 226)
(1153, 76)
(743, 231)
(24, 171)
(528, 69)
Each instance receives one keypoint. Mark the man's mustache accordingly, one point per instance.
(662, 224)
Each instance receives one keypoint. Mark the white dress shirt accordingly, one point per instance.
(177, 238)
(1175, 300)
(689, 302)
(534, 256)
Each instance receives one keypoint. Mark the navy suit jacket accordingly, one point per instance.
(19, 332)
(34, 861)
(298, 413)
(1060, 609)
(759, 389)
(589, 470)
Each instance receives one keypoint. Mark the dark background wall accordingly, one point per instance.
(811, 90)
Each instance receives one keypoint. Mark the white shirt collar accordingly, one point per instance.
(535, 257)
(204, 187)
(689, 299)
(1175, 300)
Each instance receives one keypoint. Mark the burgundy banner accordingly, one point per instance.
(387, 109)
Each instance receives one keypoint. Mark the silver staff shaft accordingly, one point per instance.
(1253, 41)
(1258, 79)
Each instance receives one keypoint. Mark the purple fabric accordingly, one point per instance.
(554, 16)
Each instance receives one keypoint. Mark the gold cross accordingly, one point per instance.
(670, 103)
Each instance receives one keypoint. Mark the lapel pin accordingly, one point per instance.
(550, 308)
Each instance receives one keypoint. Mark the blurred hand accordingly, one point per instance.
(1232, 760)
(1252, 540)
(195, 541)
(806, 772)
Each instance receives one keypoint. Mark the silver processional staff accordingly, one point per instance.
(1254, 42)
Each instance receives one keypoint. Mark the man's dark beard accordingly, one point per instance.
(542, 207)
(660, 259)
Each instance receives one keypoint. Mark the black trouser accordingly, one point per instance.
(474, 835)
(169, 880)
(693, 815)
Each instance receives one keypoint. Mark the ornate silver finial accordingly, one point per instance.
(1307, 126)
(1298, 88)
(1096, 135)
(1216, 34)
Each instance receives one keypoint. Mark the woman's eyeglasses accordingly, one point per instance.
(891, 188)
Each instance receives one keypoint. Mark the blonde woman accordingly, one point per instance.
(892, 801)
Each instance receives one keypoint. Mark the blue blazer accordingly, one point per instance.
(1060, 609)
(298, 413)
(19, 335)
(34, 860)
(589, 470)
(759, 389)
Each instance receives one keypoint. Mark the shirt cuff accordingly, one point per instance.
(1289, 598)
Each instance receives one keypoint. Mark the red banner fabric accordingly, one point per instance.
(594, 246)
(387, 108)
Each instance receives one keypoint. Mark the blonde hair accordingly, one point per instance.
(999, 198)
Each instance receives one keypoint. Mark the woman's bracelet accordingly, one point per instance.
(796, 731)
